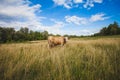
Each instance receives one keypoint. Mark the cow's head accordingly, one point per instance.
(66, 39)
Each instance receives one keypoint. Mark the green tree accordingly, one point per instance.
(6, 34)
(103, 31)
(112, 29)
(45, 34)
(24, 33)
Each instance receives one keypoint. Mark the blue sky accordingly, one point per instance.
(74, 17)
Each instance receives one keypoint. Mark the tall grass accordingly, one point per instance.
(77, 60)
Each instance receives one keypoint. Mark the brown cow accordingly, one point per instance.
(53, 41)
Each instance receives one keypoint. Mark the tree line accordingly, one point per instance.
(111, 29)
(8, 34)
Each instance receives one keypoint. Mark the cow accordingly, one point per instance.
(54, 40)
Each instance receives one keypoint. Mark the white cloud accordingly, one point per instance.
(72, 3)
(83, 20)
(98, 17)
(90, 3)
(18, 11)
(75, 19)
(22, 11)
(66, 3)
(98, 1)
(78, 1)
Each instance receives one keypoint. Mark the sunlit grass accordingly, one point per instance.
(97, 59)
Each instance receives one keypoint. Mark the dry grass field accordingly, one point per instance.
(79, 59)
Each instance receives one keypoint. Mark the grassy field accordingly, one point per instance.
(79, 59)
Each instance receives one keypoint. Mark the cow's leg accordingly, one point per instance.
(62, 44)
(52, 44)
(49, 44)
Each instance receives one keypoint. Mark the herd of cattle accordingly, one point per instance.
(54, 40)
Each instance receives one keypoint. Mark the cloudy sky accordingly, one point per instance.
(76, 17)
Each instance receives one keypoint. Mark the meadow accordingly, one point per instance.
(79, 59)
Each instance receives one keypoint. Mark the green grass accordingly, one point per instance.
(89, 59)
